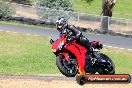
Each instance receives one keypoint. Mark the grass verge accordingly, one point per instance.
(26, 54)
(23, 24)
(21, 54)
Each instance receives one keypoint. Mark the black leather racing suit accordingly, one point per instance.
(73, 32)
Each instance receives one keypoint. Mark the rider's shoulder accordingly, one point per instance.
(72, 27)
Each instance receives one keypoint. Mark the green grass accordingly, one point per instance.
(27, 25)
(21, 54)
(24, 54)
(83, 7)
(122, 9)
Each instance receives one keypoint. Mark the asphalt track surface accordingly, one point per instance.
(108, 40)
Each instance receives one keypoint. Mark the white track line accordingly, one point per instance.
(117, 47)
(35, 35)
(15, 32)
(28, 34)
(122, 48)
(129, 49)
(7, 31)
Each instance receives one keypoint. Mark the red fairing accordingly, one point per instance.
(58, 41)
(79, 51)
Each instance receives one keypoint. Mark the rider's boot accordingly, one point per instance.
(81, 72)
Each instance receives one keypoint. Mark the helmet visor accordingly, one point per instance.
(59, 26)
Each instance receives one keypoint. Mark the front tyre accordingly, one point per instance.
(66, 68)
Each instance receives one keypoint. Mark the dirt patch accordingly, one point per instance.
(35, 83)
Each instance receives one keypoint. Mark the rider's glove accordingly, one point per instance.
(72, 38)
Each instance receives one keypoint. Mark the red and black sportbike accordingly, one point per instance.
(68, 52)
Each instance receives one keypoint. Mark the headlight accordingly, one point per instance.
(61, 45)
(53, 50)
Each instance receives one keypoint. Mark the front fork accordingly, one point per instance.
(66, 55)
(68, 62)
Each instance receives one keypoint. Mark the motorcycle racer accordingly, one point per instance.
(74, 33)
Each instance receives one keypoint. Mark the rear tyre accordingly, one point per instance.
(106, 67)
(67, 69)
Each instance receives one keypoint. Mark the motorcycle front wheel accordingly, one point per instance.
(68, 69)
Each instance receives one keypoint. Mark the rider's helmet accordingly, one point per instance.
(61, 23)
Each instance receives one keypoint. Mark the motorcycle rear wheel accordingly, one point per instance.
(106, 67)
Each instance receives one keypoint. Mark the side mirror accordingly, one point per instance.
(51, 41)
